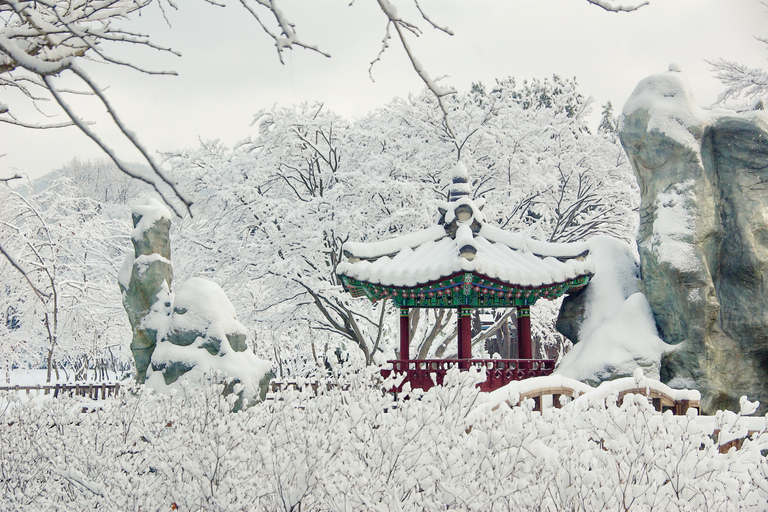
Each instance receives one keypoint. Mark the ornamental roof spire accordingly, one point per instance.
(459, 183)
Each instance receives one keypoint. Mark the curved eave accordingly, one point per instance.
(518, 242)
(371, 251)
(465, 288)
(436, 260)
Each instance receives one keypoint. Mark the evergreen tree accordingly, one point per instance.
(609, 123)
(538, 94)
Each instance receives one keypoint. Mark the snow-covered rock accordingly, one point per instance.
(145, 277)
(201, 339)
(610, 321)
(191, 333)
(703, 240)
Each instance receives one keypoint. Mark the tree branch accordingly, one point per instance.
(603, 4)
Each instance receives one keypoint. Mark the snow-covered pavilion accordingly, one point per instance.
(465, 263)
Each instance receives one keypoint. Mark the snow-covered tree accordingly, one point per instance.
(44, 45)
(64, 309)
(270, 216)
(609, 123)
(743, 84)
(271, 221)
(102, 181)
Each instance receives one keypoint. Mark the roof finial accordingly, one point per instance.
(459, 183)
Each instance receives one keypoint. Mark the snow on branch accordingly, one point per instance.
(429, 20)
(739, 80)
(15, 264)
(401, 26)
(285, 36)
(617, 8)
(150, 178)
(44, 39)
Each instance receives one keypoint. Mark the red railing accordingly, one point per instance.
(425, 373)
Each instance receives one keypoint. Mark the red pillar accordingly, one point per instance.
(405, 329)
(465, 335)
(525, 347)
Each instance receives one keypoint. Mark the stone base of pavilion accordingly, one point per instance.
(425, 373)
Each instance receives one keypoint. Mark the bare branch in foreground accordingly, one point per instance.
(41, 41)
(603, 4)
(287, 37)
(401, 25)
(14, 177)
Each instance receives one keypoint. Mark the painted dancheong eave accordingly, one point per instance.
(463, 289)
(464, 263)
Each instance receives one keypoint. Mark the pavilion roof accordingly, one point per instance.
(463, 242)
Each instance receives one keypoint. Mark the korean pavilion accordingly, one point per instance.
(464, 263)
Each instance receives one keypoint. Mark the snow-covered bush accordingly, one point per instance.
(352, 447)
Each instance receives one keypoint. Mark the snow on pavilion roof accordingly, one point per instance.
(463, 250)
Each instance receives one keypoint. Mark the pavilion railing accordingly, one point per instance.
(425, 373)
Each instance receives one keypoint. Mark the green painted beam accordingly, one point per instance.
(463, 289)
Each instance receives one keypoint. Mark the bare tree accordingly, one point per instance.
(66, 253)
(43, 44)
(45, 41)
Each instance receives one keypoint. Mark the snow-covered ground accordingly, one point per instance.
(354, 448)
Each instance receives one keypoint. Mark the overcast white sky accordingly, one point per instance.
(229, 68)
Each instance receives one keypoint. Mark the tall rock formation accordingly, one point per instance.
(703, 237)
(191, 332)
(145, 278)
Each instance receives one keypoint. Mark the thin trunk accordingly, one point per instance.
(50, 361)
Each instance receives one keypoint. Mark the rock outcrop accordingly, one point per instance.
(610, 322)
(145, 278)
(192, 332)
(703, 237)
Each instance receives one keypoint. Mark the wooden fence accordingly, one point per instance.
(92, 391)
